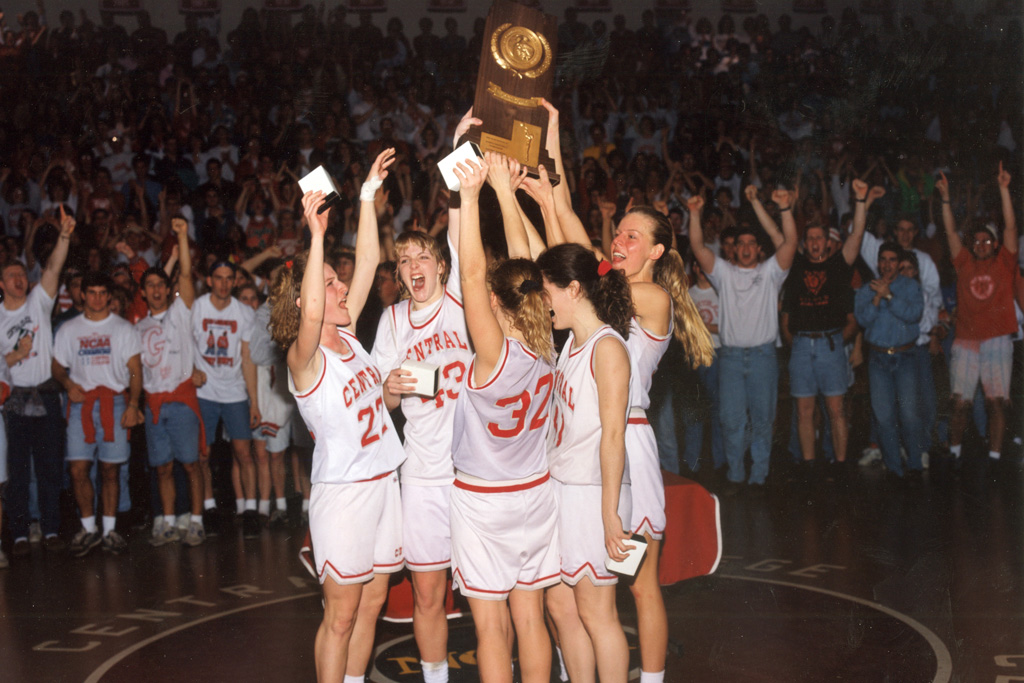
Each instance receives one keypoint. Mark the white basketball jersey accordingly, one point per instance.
(501, 425)
(435, 335)
(645, 352)
(574, 435)
(345, 413)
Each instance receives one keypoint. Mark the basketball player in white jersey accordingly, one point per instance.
(503, 511)
(355, 512)
(587, 457)
(428, 326)
(641, 248)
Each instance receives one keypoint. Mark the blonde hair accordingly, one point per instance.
(670, 274)
(286, 289)
(424, 241)
(524, 304)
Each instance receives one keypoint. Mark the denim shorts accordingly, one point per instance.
(174, 437)
(114, 452)
(817, 368)
(235, 416)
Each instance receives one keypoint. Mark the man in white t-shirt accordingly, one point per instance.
(173, 424)
(226, 380)
(748, 290)
(33, 415)
(95, 358)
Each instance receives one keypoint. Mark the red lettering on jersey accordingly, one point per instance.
(94, 342)
(564, 390)
(461, 344)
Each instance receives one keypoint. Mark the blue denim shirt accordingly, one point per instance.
(890, 323)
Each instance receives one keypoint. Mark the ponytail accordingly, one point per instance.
(518, 286)
(285, 290)
(690, 329)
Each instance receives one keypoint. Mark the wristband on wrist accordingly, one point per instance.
(369, 189)
(945, 201)
(784, 208)
(861, 201)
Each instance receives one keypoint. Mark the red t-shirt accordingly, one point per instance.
(984, 295)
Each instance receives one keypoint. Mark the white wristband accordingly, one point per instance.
(370, 188)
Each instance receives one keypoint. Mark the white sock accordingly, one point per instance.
(646, 677)
(250, 504)
(89, 523)
(354, 679)
(281, 504)
(264, 507)
(435, 672)
(25, 538)
(955, 450)
(209, 504)
(108, 524)
(169, 520)
(196, 518)
(239, 505)
(994, 455)
(305, 504)
(563, 675)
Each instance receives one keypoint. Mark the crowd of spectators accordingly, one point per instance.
(126, 131)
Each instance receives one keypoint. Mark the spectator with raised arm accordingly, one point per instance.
(749, 325)
(982, 349)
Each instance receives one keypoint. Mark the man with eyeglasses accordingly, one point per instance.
(985, 319)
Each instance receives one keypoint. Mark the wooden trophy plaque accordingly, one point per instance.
(516, 71)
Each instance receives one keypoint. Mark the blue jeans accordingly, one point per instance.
(894, 404)
(928, 401)
(663, 421)
(36, 441)
(694, 421)
(748, 380)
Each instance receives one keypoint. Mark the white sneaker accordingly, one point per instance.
(159, 525)
(35, 533)
(924, 460)
(195, 535)
(182, 522)
(169, 534)
(871, 455)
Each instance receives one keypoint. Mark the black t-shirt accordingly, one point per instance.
(818, 296)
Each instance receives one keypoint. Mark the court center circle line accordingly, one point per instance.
(106, 666)
(943, 660)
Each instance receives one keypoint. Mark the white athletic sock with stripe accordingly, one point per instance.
(435, 672)
(646, 677)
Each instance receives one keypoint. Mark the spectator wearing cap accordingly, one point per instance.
(748, 290)
(889, 309)
(817, 321)
(985, 320)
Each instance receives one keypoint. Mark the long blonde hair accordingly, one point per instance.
(518, 285)
(286, 288)
(670, 274)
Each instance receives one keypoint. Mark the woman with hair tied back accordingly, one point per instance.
(355, 516)
(587, 457)
(503, 510)
(641, 250)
